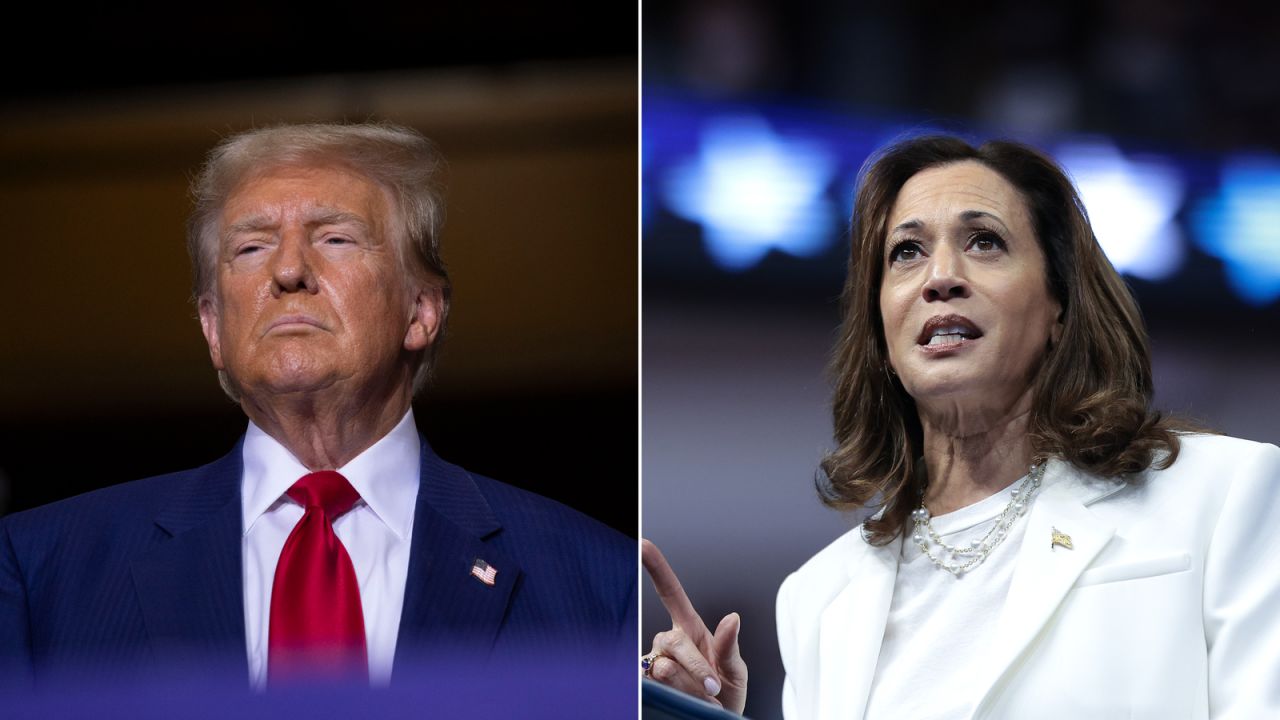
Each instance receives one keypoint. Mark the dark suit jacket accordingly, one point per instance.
(148, 574)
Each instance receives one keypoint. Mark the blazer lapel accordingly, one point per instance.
(190, 585)
(447, 608)
(852, 628)
(1045, 572)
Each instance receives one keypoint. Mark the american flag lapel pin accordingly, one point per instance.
(484, 572)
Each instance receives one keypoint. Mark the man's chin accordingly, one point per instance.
(285, 385)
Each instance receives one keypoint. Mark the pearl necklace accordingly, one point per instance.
(960, 559)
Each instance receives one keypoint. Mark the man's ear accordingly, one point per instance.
(209, 325)
(424, 323)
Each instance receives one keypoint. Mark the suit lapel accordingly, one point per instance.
(1044, 572)
(190, 585)
(852, 628)
(446, 607)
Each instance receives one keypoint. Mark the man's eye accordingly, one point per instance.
(905, 250)
(247, 250)
(337, 240)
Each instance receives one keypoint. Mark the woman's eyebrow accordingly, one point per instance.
(966, 216)
(971, 215)
(908, 225)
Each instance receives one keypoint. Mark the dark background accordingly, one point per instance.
(104, 376)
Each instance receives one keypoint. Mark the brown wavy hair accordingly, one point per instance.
(1091, 395)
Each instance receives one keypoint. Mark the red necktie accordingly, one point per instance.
(317, 625)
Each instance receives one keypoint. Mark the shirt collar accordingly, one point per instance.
(386, 475)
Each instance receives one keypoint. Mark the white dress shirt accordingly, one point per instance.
(376, 534)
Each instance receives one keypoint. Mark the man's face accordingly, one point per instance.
(310, 294)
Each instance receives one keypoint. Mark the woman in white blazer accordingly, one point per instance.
(1045, 545)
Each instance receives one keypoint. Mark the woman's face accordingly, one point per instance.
(965, 302)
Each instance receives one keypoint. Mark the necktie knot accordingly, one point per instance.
(326, 490)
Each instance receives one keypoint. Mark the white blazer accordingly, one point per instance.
(1168, 605)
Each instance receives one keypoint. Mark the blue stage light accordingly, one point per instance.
(753, 190)
(1132, 204)
(1241, 225)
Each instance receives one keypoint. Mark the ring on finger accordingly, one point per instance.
(648, 661)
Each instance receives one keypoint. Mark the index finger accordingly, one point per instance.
(671, 593)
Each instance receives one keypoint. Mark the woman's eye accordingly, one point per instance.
(986, 242)
(905, 250)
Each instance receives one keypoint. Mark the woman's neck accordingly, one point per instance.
(972, 457)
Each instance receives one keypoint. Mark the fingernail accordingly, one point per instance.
(712, 685)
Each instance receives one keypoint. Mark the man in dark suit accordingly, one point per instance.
(331, 541)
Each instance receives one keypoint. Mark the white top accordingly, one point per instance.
(376, 534)
(939, 624)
